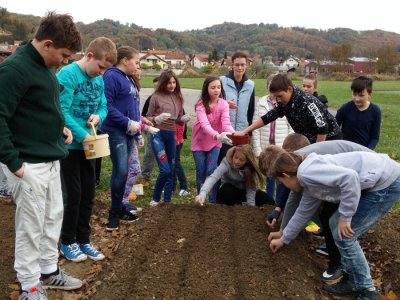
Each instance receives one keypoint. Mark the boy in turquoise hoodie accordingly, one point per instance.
(84, 106)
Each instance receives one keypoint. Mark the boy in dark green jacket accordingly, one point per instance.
(32, 141)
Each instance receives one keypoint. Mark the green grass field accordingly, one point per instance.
(336, 92)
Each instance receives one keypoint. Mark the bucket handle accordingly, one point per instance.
(93, 129)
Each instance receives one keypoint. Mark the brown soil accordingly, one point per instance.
(210, 252)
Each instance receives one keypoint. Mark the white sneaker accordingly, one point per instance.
(61, 281)
(184, 193)
(153, 203)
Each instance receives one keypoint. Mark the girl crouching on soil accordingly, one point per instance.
(240, 178)
(365, 184)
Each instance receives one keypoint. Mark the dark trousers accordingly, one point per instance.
(328, 209)
(222, 152)
(78, 186)
(98, 169)
(230, 195)
(98, 164)
(179, 171)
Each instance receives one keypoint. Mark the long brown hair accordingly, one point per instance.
(205, 96)
(288, 163)
(252, 174)
(163, 82)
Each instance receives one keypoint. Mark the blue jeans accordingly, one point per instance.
(121, 147)
(271, 184)
(206, 163)
(163, 144)
(371, 208)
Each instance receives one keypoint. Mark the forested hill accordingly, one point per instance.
(259, 39)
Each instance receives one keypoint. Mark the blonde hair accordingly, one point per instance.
(252, 174)
(103, 47)
(267, 158)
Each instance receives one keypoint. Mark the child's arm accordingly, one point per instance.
(204, 122)
(308, 206)
(251, 196)
(214, 178)
(225, 119)
(375, 129)
(69, 85)
(292, 204)
(270, 116)
(256, 135)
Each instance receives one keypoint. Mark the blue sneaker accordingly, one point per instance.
(91, 251)
(72, 252)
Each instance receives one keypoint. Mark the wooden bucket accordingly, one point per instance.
(96, 146)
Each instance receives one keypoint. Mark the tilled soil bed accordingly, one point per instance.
(211, 252)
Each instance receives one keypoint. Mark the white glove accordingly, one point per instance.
(200, 199)
(133, 127)
(223, 138)
(162, 117)
(151, 129)
(185, 118)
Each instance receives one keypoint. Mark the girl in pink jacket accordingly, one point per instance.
(211, 128)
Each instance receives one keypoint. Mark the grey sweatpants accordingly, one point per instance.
(38, 219)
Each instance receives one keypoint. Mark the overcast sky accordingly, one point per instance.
(190, 14)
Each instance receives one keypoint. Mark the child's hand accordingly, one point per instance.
(275, 235)
(185, 118)
(223, 138)
(162, 117)
(146, 121)
(140, 142)
(67, 135)
(200, 199)
(151, 129)
(232, 104)
(275, 245)
(93, 119)
(344, 229)
(133, 127)
(239, 133)
(272, 218)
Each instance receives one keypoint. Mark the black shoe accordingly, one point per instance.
(343, 288)
(318, 234)
(332, 274)
(322, 250)
(126, 216)
(367, 295)
(113, 220)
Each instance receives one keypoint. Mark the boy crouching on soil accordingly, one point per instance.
(366, 185)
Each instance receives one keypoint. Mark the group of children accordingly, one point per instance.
(353, 185)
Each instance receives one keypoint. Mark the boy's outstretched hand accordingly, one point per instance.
(239, 133)
(344, 229)
(275, 245)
